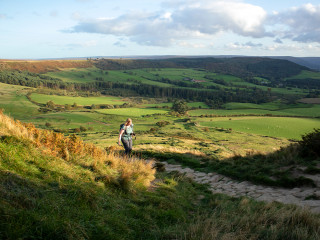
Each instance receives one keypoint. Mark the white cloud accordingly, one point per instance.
(193, 20)
(278, 40)
(119, 44)
(3, 16)
(182, 21)
(239, 46)
(293, 47)
(301, 24)
(191, 45)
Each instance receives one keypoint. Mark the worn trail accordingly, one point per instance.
(222, 184)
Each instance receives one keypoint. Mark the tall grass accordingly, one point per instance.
(249, 220)
(131, 172)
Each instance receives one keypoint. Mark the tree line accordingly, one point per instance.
(213, 97)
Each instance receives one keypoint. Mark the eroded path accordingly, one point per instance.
(222, 184)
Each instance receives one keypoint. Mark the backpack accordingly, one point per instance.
(125, 130)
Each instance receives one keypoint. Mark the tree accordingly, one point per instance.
(75, 105)
(50, 105)
(180, 106)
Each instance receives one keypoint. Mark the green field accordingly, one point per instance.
(155, 76)
(254, 109)
(82, 101)
(291, 128)
(276, 105)
(57, 188)
(133, 112)
(190, 104)
(94, 74)
(15, 103)
(306, 74)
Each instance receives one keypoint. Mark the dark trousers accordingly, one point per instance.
(127, 145)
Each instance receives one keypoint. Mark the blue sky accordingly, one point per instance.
(36, 29)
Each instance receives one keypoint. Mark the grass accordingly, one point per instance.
(255, 109)
(276, 168)
(45, 194)
(15, 103)
(45, 197)
(153, 77)
(133, 112)
(267, 126)
(276, 105)
(306, 74)
(81, 101)
(93, 74)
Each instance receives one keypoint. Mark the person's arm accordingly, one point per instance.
(120, 134)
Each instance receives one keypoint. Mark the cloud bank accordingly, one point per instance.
(301, 24)
(180, 21)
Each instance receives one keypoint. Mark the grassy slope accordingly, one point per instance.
(47, 197)
(44, 65)
(133, 112)
(309, 111)
(268, 126)
(82, 101)
(306, 74)
(14, 101)
(151, 76)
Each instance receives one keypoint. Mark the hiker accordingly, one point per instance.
(125, 135)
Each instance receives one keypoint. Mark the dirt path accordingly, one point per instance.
(221, 184)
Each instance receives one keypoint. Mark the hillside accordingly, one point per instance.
(54, 187)
(238, 66)
(42, 66)
(212, 80)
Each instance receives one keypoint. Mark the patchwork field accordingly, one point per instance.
(157, 77)
(291, 128)
(249, 151)
(15, 103)
(303, 110)
(133, 112)
(82, 101)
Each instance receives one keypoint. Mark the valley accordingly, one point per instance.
(245, 120)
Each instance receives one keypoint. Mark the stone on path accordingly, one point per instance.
(222, 184)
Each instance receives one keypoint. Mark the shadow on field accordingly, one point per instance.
(286, 167)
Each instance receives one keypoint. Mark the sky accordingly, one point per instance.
(38, 29)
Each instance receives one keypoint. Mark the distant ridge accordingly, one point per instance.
(309, 62)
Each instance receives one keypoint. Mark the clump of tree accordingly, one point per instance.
(310, 144)
(162, 123)
(180, 106)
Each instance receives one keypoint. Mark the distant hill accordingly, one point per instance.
(42, 66)
(309, 62)
(237, 66)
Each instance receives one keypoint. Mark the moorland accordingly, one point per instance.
(244, 118)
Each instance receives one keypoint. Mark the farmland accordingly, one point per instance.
(177, 77)
(82, 101)
(307, 111)
(134, 112)
(14, 101)
(291, 128)
(215, 127)
(242, 126)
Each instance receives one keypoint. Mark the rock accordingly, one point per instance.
(311, 203)
(221, 184)
(265, 198)
(315, 209)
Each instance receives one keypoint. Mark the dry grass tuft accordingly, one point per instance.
(159, 148)
(132, 171)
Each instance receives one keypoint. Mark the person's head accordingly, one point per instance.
(128, 122)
